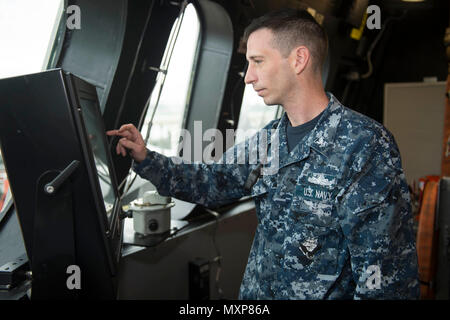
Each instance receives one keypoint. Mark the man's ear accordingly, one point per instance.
(300, 58)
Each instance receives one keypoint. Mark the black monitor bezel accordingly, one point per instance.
(112, 229)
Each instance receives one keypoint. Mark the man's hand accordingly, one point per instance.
(131, 140)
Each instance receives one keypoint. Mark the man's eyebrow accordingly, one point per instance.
(255, 57)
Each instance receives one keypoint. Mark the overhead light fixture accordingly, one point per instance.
(413, 0)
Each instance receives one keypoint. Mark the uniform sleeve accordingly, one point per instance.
(376, 219)
(210, 185)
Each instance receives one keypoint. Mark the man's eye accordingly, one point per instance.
(258, 61)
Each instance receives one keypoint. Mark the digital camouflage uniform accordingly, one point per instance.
(334, 222)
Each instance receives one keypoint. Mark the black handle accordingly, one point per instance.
(53, 186)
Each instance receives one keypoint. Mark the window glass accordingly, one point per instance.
(254, 114)
(174, 87)
(27, 31)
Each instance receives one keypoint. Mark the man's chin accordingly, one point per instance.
(270, 102)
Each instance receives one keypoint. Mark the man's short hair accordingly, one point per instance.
(293, 28)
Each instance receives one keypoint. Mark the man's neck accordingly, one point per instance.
(307, 104)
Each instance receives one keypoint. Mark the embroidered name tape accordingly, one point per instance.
(314, 192)
(316, 186)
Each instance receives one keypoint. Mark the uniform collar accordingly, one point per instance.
(321, 138)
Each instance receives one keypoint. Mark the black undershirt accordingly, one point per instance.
(297, 133)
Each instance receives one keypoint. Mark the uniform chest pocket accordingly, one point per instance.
(312, 250)
(313, 202)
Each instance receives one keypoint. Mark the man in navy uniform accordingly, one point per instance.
(334, 221)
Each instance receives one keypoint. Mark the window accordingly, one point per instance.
(254, 115)
(173, 88)
(27, 32)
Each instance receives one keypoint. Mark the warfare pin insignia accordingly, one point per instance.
(309, 247)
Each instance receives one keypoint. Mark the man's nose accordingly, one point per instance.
(249, 76)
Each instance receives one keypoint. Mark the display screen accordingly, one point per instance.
(97, 140)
